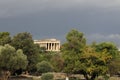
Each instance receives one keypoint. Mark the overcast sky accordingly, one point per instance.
(99, 20)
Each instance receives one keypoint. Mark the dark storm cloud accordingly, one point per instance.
(22, 7)
(54, 18)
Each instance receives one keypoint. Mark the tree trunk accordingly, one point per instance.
(93, 77)
(4, 75)
(86, 77)
(90, 78)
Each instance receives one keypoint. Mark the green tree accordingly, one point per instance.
(25, 42)
(72, 49)
(92, 63)
(114, 66)
(82, 59)
(46, 55)
(44, 66)
(75, 41)
(5, 38)
(11, 60)
(111, 49)
(57, 62)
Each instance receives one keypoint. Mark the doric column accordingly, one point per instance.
(50, 46)
(47, 46)
(59, 45)
(54, 46)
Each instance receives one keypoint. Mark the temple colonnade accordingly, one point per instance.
(49, 44)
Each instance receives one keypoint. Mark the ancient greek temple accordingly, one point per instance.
(49, 44)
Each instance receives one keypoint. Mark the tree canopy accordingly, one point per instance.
(109, 47)
(75, 41)
(92, 63)
(25, 42)
(75, 56)
(83, 59)
(5, 38)
(57, 62)
(44, 66)
(12, 59)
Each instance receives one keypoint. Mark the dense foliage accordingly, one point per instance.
(19, 52)
(93, 63)
(11, 59)
(25, 42)
(57, 62)
(72, 49)
(83, 59)
(44, 67)
(5, 38)
(111, 49)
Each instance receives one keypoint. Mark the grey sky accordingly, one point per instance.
(99, 20)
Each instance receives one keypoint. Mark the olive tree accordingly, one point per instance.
(10, 60)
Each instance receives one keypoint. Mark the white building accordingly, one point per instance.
(49, 44)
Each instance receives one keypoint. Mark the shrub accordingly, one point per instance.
(44, 67)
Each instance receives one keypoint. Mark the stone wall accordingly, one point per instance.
(20, 78)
